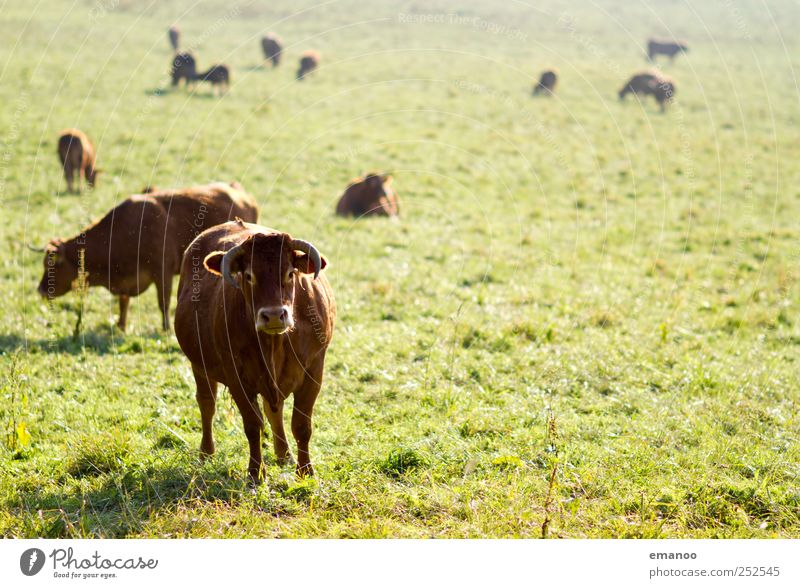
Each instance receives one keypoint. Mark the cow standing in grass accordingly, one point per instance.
(255, 314)
(184, 67)
(219, 76)
(77, 155)
(309, 62)
(174, 35)
(272, 45)
(547, 83)
(666, 47)
(651, 83)
(372, 195)
(141, 242)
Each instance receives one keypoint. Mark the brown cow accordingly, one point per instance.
(547, 83)
(371, 195)
(309, 61)
(76, 153)
(184, 67)
(665, 47)
(272, 45)
(255, 314)
(174, 37)
(661, 87)
(141, 241)
(218, 76)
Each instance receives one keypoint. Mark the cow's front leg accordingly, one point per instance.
(304, 400)
(279, 442)
(253, 423)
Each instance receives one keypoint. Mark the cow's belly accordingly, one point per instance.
(129, 285)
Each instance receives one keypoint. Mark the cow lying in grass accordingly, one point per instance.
(371, 195)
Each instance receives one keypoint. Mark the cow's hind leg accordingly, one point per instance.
(304, 400)
(69, 175)
(124, 302)
(164, 292)
(279, 442)
(207, 401)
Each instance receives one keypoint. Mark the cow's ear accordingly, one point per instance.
(304, 264)
(213, 262)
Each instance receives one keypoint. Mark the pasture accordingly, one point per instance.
(586, 322)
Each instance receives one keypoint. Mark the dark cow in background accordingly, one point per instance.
(371, 195)
(665, 47)
(255, 314)
(272, 45)
(547, 83)
(174, 34)
(141, 241)
(309, 61)
(76, 153)
(184, 67)
(219, 76)
(655, 84)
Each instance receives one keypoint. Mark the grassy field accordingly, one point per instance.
(586, 323)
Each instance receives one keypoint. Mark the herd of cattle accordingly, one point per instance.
(184, 63)
(254, 310)
(644, 83)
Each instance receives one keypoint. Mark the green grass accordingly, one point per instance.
(588, 314)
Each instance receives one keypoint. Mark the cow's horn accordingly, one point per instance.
(36, 249)
(227, 261)
(306, 247)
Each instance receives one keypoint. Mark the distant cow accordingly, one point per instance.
(665, 47)
(272, 45)
(184, 67)
(308, 63)
(655, 84)
(141, 241)
(255, 314)
(371, 195)
(547, 83)
(76, 153)
(174, 37)
(218, 76)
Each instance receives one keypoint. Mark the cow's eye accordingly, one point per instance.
(290, 274)
(248, 276)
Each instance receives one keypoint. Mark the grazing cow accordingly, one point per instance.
(141, 241)
(661, 87)
(255, 314)
(665, 47)
(547, 83)
(76, 153)
(308, 63)
(184, 67)
(371, 195)
(218, 76)
(174, 37)
(272, 45)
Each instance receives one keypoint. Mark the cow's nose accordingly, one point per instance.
(274, 319)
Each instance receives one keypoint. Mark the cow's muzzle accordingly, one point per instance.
(274, 320)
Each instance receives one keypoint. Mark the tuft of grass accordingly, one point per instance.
(401, 461)
(99, 453)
